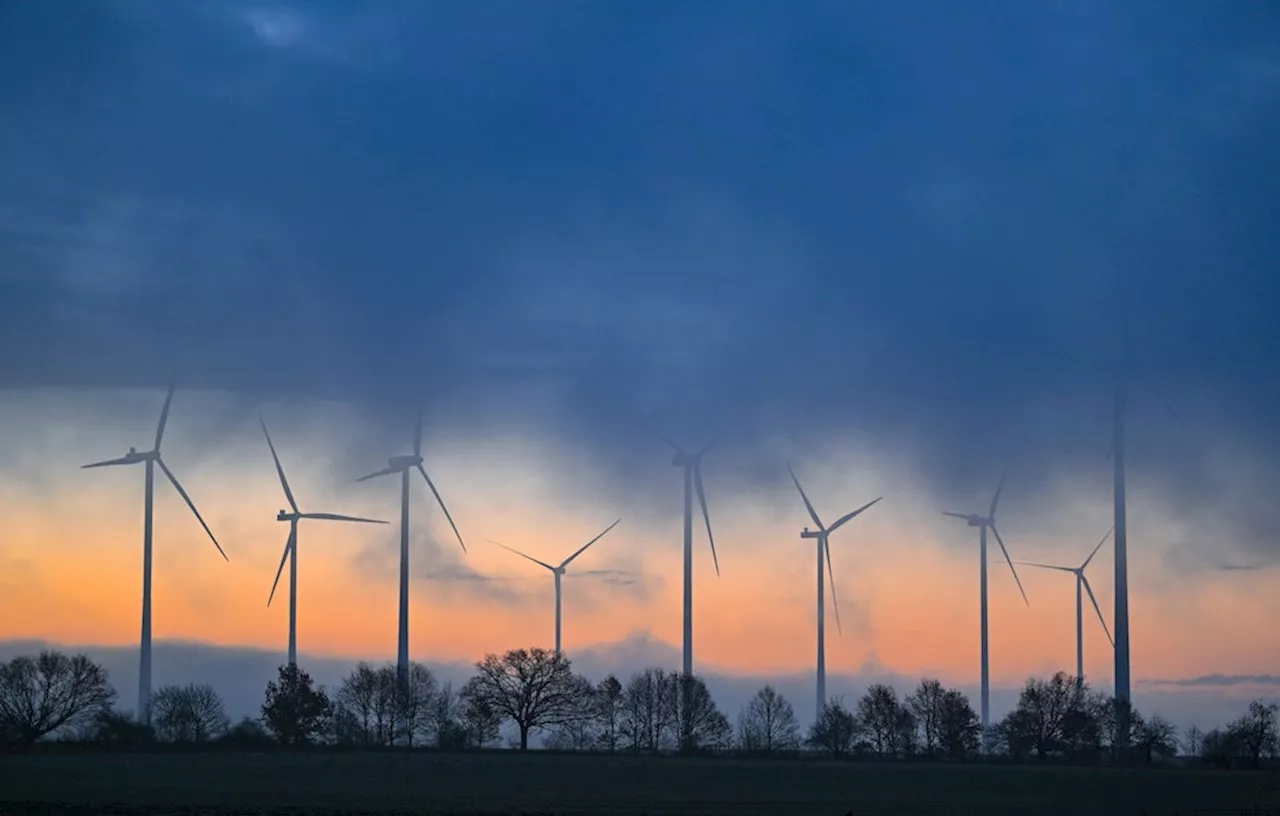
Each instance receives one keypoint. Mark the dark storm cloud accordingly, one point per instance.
(603, 219)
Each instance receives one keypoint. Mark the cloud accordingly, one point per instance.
(443, 566)
(1218, 681)
(551, 226)
(279, 28)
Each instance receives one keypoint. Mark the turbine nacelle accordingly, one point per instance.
(405, 462)
(685, 459)
(285, 515)
(980, 521)
(807, 533)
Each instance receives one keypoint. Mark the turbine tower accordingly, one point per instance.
(402, 465)
(1082, 582)
(1122, 377)
(291, 546)
(152, 458)
(984, 523)
(557, 571)
(822, 535)
(692, 465)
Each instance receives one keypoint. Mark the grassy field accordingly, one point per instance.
(509, 783)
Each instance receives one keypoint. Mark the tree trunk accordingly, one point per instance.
(524, 738)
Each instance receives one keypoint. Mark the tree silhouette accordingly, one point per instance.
(534, 688)
(699, 723)
(768, 723)
(294, 711)
(52, 691)
(191, 713)
(836, 729)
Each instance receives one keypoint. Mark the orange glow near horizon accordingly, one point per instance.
(70, 572)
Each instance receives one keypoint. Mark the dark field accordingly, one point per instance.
(509, 783)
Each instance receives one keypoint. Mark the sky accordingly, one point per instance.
(896, 246)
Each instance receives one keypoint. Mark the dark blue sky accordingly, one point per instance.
(907, 217)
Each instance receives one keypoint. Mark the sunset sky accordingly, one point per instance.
(888, 244)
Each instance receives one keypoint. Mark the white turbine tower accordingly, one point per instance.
(152, 458)
(1082, 582)
(291, 546)
(691, 463)
(984, 523)
(557, 571)
(402, 465)
(822, 535)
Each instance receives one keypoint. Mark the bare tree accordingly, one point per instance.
(881, 716)
(534, 688)
(363, 703)
(648, 711)
(415, 704)
(480, 722)
(925, 704)
(1257, 731)
(835, 730)
(580, 729)
(445, 719)
(191, 713)
(768, 723)
(1191, 741)
(52, 691)
(1154, 736)
(699, 723)
(610, 702)
(958, 729)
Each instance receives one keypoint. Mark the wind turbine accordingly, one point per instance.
(692, 465)
(822, 535)
(1119, 408)
(152, 458)
(984, 523)
(403, 464)
(291, 546)
(557, 571)
(1082, 581)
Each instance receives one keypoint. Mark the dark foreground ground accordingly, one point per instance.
(508, 783)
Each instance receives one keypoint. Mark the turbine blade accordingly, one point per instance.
(436, 493)
(702, 500)
(852, 515)
(522, 555)
(1164, 402)
(1096, 608)
(813, 514)
(178, 486)
(384, 472)
(124, 460)
(831, 579)
(673, 445)
(714, 441)
(1095, 549)
(583, 549)
(288, 494)
(336, 517)
(1009, 561)
(955, 515)
(417, 432)
(164, 416)
(1043, 566)
(288, 548)
(995, 500)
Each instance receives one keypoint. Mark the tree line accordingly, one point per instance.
(68, 698)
